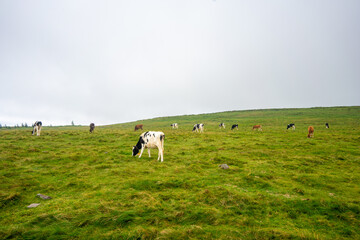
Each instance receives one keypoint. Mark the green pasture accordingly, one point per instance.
(280, 184)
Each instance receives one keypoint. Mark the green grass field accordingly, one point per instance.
(280, 184)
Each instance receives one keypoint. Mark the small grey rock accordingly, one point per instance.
(43, 196)
(33, 205)
(224, 166)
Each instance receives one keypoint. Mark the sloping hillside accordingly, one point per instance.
(280, 183)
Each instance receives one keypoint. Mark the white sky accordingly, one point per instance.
(117, 61)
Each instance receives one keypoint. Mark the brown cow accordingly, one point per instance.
(258, 127)
(139, 126)
(311, 131)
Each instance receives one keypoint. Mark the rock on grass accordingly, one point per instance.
(224, 166)
(33, 205)
(43, 196)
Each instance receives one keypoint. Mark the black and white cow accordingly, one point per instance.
(326, 125)
(37, 128)
(150, 140)
(235, 126)
(291, 125)
(198, 127)
(174, 125)
(92, 127)
(222, 125)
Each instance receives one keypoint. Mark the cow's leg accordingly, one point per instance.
(149, 152)
(39, 130)
(160, 154)
(142, 149)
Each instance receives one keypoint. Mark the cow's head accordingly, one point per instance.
(135, 151)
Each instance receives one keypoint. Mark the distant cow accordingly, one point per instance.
(326, 125)
(37, 128)
(222, 125)
(235, 126)
(150, 140)
(258, 127)
(291, 125)
(139, 126)
(92, 127)
(198, 127)
(311, 131)
(174, 125)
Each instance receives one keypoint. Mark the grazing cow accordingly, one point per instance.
(258, 127)
(198, 127)
(235, 126)
(291, 125)
(150, 140)
(174, 125)
(37, 128)
(139, 126)
(222, 125)
(311, 131)
(92, 127)
(326, 125)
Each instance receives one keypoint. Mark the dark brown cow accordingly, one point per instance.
(139, 126)
(258, 127)
(311, 131)
(92, 127)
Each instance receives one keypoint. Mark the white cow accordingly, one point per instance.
(174, 125)
(222, 125)
(37, 128)
(150, 140)
(198, 127)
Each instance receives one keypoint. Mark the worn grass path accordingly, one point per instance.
(280, 183)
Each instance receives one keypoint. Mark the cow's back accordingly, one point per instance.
(153, 139)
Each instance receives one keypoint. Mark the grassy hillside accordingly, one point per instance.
(280, 183)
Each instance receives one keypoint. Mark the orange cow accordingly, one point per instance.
(311, 131)
(139, 126)
(258, 127)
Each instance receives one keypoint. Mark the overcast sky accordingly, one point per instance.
(117, 61)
